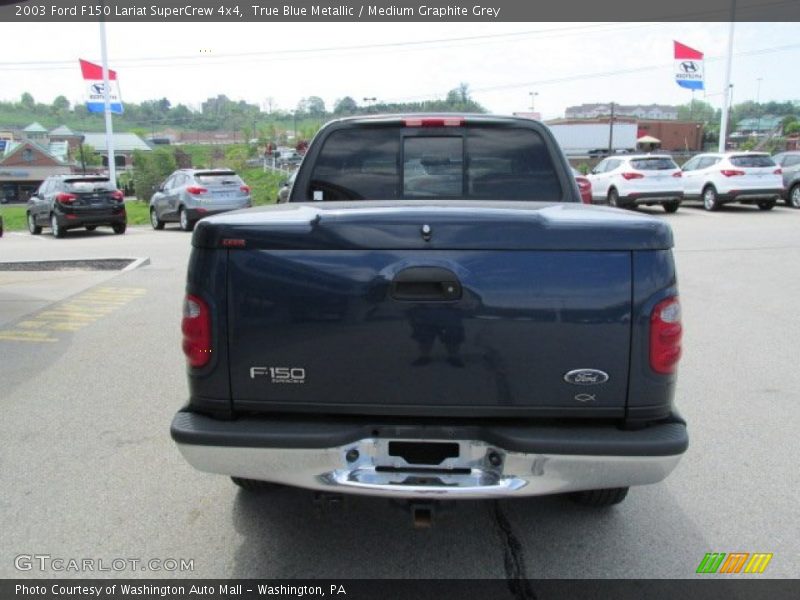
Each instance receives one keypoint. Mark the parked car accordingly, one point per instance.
(789, 162)
(286, 188)
(584, 186)
(626, 181)
(721, 178)
(188, 195)
(66, 202)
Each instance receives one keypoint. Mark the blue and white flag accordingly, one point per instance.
(688, 67)
(93, 76)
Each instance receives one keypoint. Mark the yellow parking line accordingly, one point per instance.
(25, 336)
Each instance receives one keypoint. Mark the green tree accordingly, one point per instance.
(316, 107)
(90, 157)
(150, 169)
(27, 101)
(236, 157)
(345, 106)
(696, 110)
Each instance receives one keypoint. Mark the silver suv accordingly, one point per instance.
(188, 195)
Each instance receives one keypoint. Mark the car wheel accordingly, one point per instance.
(254, 485)
(672, 206)
(600, 498)
(710, 201)
(57, 231)
(766, 204)
(91, 227)
(183, 219)
(794, 196)
(32, 226)
(155, 221)
(613, 198)
(119, 228)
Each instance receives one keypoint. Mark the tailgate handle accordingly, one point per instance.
(426, 284)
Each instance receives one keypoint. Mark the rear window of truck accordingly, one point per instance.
(475, 163)
(88, 184)
(217, 178)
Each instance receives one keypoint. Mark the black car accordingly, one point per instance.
(65, 202)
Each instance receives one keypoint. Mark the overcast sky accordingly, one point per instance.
(502, 62)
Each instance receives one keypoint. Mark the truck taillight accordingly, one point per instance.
(245, 189)
(630, 176)
(665, 336)
(731, 172)
(118, 195)
(64, 198)
(677, 174)
(778, 171)
(196, 190)
(196, 328)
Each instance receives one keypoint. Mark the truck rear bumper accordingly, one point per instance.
(395, 460)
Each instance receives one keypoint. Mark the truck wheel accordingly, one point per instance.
(119, 228)
(672, 206)
(794, 196)
(32, 226)
(184, 221)
(613, 198)
(254, 485)
(155, 221)
(600, 498)
(710, 201)
(766, 204)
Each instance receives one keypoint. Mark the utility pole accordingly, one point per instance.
(533, 97)
(758, 107)
(723, 126)
(611, 132)
(112, 163)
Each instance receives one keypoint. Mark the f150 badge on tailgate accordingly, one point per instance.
(280, 374)
(586, 377)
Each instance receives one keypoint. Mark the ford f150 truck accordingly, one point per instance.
(433, 315)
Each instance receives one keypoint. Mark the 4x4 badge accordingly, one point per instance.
(586, 377)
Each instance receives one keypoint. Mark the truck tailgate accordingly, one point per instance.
(356, 310)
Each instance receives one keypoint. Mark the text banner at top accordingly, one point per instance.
(398, 10)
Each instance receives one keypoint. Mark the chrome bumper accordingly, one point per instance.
(480, 470)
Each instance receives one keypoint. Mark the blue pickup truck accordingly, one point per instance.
(433, 315)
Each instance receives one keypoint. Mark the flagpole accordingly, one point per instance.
(112, 164)
(723, 126)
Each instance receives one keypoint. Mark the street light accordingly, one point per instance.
(373, 99)
(533, 98)
(758, 106)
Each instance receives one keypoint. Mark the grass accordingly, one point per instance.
(13, 217)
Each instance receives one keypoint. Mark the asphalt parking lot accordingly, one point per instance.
(88, 469)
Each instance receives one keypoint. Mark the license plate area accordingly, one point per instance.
(423, 453)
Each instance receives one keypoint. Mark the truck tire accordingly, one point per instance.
(613, 198)
(156, 223)
(57, 231)
(600, 498)
(254, 485)
(766, 204)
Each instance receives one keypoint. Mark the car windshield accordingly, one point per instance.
(88, 184)
(656, 163)
(752, 160)
(218, 178)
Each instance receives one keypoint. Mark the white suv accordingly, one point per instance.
(625, 181)
(746, 177)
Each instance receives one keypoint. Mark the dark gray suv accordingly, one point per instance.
(65, 202)
(188, 195)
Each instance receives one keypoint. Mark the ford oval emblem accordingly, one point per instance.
(586, 377)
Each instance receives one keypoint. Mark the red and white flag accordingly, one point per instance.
(93, 76)
(688, 67)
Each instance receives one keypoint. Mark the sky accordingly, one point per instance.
(506, 65)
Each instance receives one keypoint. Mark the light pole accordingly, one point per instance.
(372, 100)
(758, 106)
(80, 145)
(533, 98)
